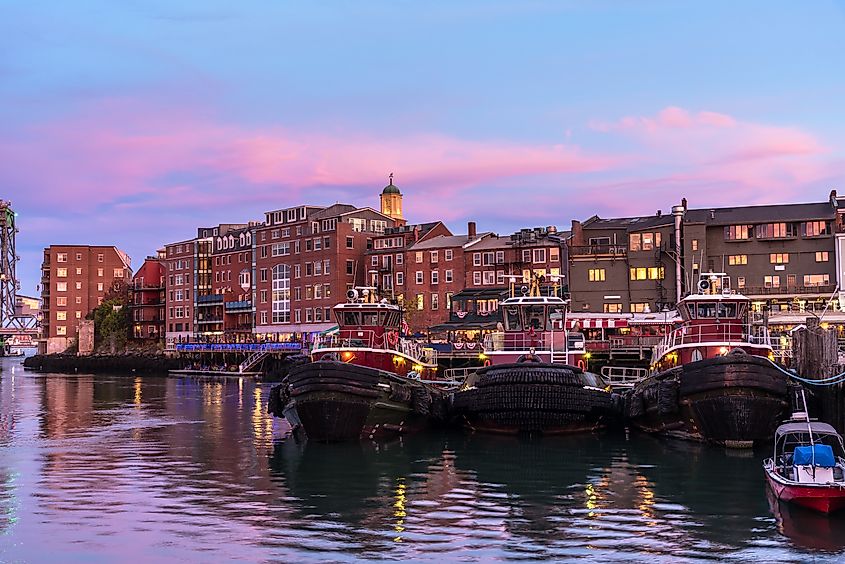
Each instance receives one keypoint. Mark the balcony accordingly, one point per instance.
(826, 289)
(242, 306)
(612, 251)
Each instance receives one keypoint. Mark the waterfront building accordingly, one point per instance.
(27, 305)
(148, 298)
(307, 258)
(74, 281)
(227, 313)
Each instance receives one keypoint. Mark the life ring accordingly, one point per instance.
(392, 338)
(529, 358)
(581, 364)
(487, 362)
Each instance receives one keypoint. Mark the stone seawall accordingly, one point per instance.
(129, 363)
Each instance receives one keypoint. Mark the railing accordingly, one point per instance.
(542, 341)
(371, 340)
(238, 347)
(728, 332)
(825, 289)
(599, 250)
(623, 376)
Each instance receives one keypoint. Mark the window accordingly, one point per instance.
(78, 299)
(476, 259)
(790, 280)
(476, 278)
(61, 257)
(740, 282)
(62, 286)
(694, 244)
(613, 308)
(297, 271)
(500, 277)
(99, 286)
(815, 228)
(816, 279)
(526, 255)
(100, 257)
(297, 316)
(350, 242)
(420, 302)
(737, 232)
(652, 273)
(655, 273)
(100, 272)
(400, 258)
(434, 257)
(821, 256)
(448, 300)
(734, 260)
(309, 268)
(61, 316)
(489, 277)
(79, 285)
(61, 301)
(418, 257)
(281, 293)
(448, 254)
(309, 293)
(61, 330)
(118, 273)
(263, 296)
(779, 258)
(597, 274)
(539, 256)
(308, 244)
(635, 242)
(78, 314)
(318, 291)
(318, 268)
(554, 254)
(488, 259)
(775, 230)
(419, 277)
(400, 278)
(280, 249)
(639, 308)
(350, 267)
(448, 276)
(771, 281)
(78, 271)
(500, 257)
(318, 244)
(435, 301)
(262, 275)
(374, 260)
(78, 256)
(61, 272)
(309, 315)
(435, 277)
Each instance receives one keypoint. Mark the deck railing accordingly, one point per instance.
(731, 333)
(371, 340)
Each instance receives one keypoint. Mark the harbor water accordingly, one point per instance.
(118, 468)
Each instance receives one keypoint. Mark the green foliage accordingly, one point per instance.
(112, 321)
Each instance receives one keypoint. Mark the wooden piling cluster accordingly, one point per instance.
(815, 353)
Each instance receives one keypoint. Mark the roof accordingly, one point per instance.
(333, 211)
(446, 241)
(761, 214)
(391, 189)
(801, 427)
(533, 300)
(629, 223)
(480, 293)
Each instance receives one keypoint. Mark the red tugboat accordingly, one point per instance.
(533, 382)
(807, 465)
(713, 378)
(365, 381)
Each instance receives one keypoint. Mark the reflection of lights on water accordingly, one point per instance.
(647, 502)
(399, 509)
(138, 391)
(591, 500)
(262, 424)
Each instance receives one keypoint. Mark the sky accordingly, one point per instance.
(132, 123)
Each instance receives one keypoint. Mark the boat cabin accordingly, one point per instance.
(715, 320)
(809, 452)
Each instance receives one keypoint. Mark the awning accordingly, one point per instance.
(669, 318)
(597, 321)
(330, 330)
(468, 326)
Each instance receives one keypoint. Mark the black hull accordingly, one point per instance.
(737, 400)
(334, 401)
(532, 398)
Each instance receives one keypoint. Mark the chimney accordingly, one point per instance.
(833, 201)
(416, 233)
(577, 234)
(471, 229)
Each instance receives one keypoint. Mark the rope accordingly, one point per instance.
(831, 381)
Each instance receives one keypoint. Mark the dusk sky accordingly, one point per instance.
(133, 122)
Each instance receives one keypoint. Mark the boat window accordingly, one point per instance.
(687, 311)
(727, 309)
(392, 319)
(535, 318)
(706, 310)
(382, 318)
(512, 320)
(741, 312)
(592, 379)
(349, 318)
(369, 318)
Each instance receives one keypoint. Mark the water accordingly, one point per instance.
(119, 468)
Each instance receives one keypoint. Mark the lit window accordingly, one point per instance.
(597, 274)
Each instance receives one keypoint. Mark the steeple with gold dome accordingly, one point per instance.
(391, 200)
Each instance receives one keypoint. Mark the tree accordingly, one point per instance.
(112, 322)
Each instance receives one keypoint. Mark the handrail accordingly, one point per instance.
(367, 338)
(729, 332)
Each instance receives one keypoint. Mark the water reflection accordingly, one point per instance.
(169, 469)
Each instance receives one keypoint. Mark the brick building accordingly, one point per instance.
(307, 257)
(74, 280)
(228, 313)
(149, 298)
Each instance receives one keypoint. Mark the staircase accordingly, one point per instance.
(558, 357)
(252, 360)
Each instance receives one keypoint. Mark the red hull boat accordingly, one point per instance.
(807, 467)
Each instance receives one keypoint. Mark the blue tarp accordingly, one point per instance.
(804, 456)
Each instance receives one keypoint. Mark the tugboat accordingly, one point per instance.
(807, 466)
(713, 378)
(365, 381)
(532, 381)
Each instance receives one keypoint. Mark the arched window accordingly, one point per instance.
(281, 293)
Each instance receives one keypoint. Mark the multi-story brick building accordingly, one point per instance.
(74, 281)
(307, 257)
(149, 298)
(386, 265)
(228, 313)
